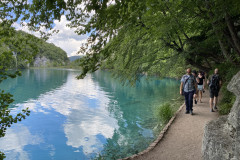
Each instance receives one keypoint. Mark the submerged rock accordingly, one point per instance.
(221, 139)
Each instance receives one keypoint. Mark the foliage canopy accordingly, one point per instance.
(135, 36)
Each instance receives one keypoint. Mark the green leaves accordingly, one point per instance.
(6, 119)
(8, 44)
(139, 34)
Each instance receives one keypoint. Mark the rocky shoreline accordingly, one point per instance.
(221, 139)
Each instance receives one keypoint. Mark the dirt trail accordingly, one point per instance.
(183, 140)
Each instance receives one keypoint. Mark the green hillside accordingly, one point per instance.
(32, 51)
(73, 58)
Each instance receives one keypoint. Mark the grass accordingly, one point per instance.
(165, 111)
(227, 100)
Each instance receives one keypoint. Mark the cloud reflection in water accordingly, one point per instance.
(84, 104)
(15, 141)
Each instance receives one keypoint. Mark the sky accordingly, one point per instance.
(66, 38)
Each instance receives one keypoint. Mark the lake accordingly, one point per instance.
(82, 119)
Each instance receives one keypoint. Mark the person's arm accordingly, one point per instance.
(208, 81)
(181, 87)
(197, 79)
(196, 89)
(204, 83)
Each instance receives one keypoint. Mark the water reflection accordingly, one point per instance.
(34, 82)
(16, 139)
(87, 123)
(133, 108)
(89, 129)
(79, 119)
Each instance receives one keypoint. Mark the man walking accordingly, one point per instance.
(214, 82)
(188, 88)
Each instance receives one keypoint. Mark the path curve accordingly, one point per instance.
(183, 140)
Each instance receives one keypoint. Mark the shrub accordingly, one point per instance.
(164, 113)
(225, 108)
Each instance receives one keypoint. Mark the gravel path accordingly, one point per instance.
(183, 140)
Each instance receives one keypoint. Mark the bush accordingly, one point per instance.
(227, 100)
(164, 113)
(225, 108)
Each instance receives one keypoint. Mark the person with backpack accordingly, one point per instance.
(188, 88)
(214, 82)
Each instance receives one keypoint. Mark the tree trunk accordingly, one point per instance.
(209, 65)
(233, 33)
(230, 41)
(224, 51)
(198, 65)
(217, 32)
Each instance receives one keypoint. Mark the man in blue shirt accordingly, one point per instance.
(188, 88)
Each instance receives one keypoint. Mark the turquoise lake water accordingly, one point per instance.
(74, 119)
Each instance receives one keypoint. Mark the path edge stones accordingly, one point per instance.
(159, 138)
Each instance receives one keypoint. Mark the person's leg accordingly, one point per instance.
(200, 96)
(211, 100)
(215, 99)
(211, 103)
(195, 99)
(199, 92)
(186, 101)
(215, 102)
(191, 101)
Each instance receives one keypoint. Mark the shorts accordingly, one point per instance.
(200, 87)
(213, 93)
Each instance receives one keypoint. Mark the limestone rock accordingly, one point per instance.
(221, 139)
(41, 61)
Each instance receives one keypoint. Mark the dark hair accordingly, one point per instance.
(194, 71)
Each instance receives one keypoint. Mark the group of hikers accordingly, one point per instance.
(193, 86)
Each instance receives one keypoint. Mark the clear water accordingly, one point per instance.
(82, 119)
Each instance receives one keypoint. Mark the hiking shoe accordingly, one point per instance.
(187, 112)
(212, 110)
(191, 112)
(215, 107)
(195, 101)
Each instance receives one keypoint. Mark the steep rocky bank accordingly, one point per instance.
(221, 139)
(41, 61)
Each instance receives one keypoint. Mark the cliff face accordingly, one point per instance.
(40, 61)
(221, 139)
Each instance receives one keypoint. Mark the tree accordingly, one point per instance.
(201, 32)
(6, 119)
(9, 43)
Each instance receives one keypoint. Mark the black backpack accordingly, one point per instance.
(214, 84)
